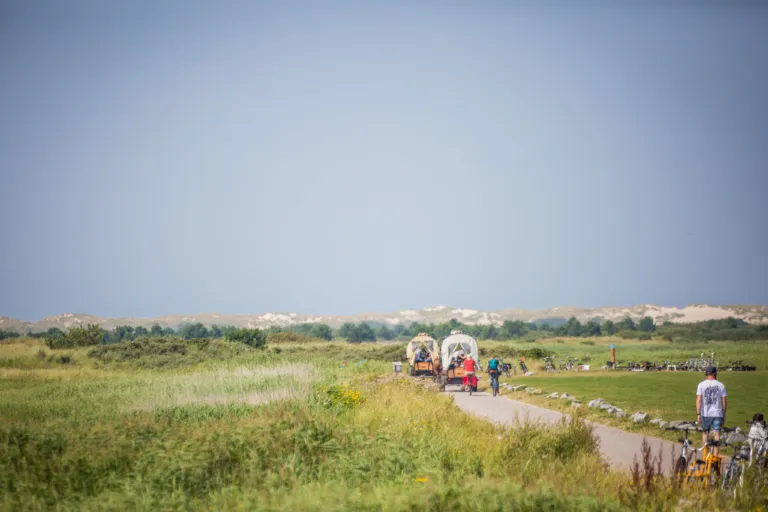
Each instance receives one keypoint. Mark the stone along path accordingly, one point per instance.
(616, 446)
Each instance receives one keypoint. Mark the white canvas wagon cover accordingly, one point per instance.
(453, 342)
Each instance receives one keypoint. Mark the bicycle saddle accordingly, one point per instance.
(715, 443)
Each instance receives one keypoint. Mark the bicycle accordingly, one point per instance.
(734, 473)
(703, 472)
(681, 465)
(507, 369)
(494, 374)
(758, 451)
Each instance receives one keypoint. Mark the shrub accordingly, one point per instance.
(588, 342)
(275, 338)
(254, 338)
(634, 335)
(75, 337)
(7, 335)
(165, 351)
(536, 353)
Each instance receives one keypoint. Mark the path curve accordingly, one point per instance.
(616, 446)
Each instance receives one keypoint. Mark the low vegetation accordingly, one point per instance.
(164, 422)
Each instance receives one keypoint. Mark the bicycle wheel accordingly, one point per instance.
(729, 476)
(680, 468)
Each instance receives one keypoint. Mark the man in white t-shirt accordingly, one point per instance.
(711, 404)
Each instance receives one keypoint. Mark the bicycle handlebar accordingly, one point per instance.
(697, 428)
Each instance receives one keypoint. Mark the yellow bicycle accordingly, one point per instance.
(700, 467)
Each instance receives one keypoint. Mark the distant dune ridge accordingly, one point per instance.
(435, 314)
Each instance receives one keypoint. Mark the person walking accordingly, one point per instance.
(711, 405)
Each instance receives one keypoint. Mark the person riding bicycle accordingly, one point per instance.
(469, 370)
(711, 405)
(494, 368)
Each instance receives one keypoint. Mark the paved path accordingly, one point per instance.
(617, 446)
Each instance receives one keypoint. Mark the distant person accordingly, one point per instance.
(711, 405)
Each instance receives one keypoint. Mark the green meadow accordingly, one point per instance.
(190, 425)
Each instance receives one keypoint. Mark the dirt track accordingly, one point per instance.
(616, 446)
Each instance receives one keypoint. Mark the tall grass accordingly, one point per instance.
(325, 436)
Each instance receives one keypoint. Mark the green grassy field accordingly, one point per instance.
(596, 351)
(667, 395)
(218, 427)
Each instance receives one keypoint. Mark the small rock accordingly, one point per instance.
(595, 403)
(528, 374)
(663, 424)
(655, 421)
(533, 391)
(567, 396)
(639, 417)
(553, 395)
(620, 414)
(678, 423)
(605, 406)
(575, 405)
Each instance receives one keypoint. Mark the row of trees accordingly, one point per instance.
(724, 329)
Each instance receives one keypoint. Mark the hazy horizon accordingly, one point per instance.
(333, 159)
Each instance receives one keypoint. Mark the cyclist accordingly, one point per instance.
(711, 405)
(469, 370)
(494, 366)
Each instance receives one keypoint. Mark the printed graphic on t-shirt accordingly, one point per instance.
(711, 397)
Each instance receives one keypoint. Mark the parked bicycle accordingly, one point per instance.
(734, 472)
(699, 467)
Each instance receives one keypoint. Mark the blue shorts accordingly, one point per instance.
(711, 423)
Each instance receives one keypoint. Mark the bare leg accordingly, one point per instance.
(717, 438)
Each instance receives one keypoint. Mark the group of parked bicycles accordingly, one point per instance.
(704, 467)
(569, 364)
(694, 364)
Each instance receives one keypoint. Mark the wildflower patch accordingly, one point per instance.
(342, 396)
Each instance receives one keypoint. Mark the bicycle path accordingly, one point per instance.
(616, 446)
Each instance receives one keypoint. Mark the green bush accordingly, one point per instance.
(254, 338)
(7, 335)
(75, 337)
(276, 338)
(165, 351)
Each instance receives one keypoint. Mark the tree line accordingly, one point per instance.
(645, 328)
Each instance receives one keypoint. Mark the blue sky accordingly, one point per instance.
(340, 157)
